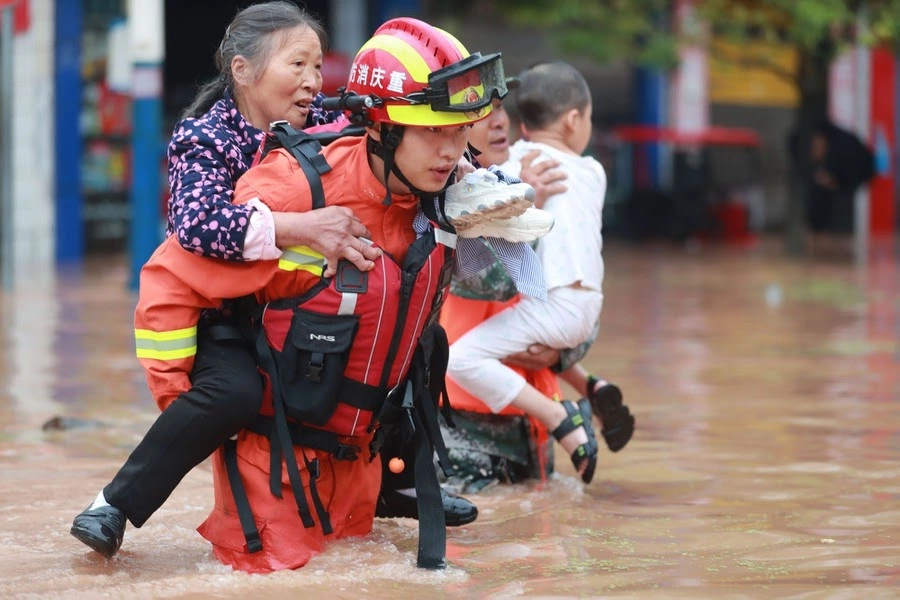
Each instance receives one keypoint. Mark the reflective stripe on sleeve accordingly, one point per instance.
(166, 345)
(302, 258)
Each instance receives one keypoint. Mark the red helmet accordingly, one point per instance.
(422, 76)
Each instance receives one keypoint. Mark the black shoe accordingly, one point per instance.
(101, 528)
(457, 510)
(617, 420)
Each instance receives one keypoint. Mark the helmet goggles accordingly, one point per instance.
(465, 86)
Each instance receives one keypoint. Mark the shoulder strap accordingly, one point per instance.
(307, 151)
(306, 148)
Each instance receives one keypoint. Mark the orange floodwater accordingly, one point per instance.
(766, 463)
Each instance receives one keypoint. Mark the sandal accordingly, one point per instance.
(617, 420)
(579, 415)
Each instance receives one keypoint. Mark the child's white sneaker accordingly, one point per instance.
(480, 196)
(532, 224)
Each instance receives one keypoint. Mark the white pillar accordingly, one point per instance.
(146, 27)
(689, 101)
(33, 206)
(6, 163)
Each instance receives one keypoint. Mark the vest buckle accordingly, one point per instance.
(346, 452)
(316, 366)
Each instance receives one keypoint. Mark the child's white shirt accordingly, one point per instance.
(571, 253)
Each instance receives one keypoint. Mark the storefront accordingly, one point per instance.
(95, 217)
(105, 127)
(94, 108)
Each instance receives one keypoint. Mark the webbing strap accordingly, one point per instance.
(425, 406)
(438, 365)
(309, 162)
(428, 441)
(248, 525)
(312, 467)
(432, 525)
(282, 437)
(317, 439)
(307, 151)
(445, 237)
(428, 379)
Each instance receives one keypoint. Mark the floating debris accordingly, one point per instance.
(59, 423)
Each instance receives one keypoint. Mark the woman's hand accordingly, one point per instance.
(545, 177)
(333, 231)
(536, 357)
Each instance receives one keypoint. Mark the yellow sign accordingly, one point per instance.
(752, 74)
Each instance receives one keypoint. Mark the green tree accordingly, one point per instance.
(640, 31)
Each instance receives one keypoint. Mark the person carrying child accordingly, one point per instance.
(554, 104)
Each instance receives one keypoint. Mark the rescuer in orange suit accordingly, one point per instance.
(343, 342)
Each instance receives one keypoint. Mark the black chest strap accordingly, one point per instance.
(307, 151)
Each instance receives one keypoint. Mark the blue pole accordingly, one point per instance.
(146, 32)
(146, 157)
(67, 150)
(650, 92)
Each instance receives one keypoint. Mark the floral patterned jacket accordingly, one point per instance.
(206, 156)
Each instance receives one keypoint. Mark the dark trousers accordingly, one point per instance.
(225, 397)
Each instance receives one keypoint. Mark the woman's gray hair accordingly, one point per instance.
(253, 35)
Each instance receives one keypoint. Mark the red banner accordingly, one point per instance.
(883, 208)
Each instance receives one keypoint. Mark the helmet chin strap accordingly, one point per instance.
(385, 150)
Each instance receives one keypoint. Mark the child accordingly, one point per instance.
(509, 447)
(554, 104)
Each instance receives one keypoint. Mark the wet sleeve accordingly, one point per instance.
(201, 213)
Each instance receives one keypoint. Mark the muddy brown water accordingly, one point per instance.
(766, 462)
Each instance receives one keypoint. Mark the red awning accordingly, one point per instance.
(719, 136)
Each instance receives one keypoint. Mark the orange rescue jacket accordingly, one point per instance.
(176, 286)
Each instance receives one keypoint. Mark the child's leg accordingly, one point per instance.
(577, 377)
(225, 397)
(564, 321)
(581, 380)
(606, 404)
(551, 414)
(475, 359)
